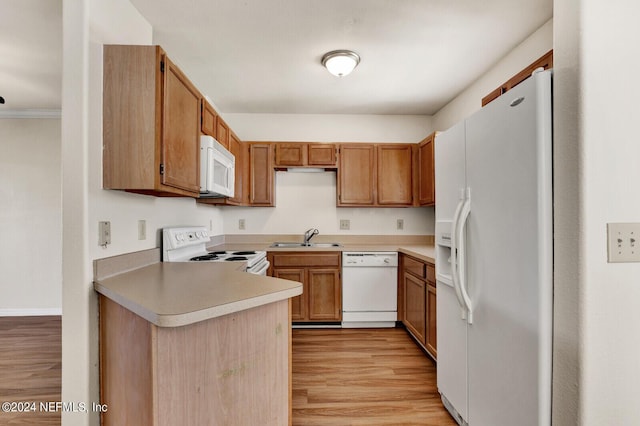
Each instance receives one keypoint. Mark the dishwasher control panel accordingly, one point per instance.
(369, 258)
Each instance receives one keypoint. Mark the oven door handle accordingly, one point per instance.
(262, 270)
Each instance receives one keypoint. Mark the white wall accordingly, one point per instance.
(87, 25)
(309, 200)
(31, 217)
(470, 100)
(596, 116)
(119, 23)
(330, 127)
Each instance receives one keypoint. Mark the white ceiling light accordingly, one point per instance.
(340, 62)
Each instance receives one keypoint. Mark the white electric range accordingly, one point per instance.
(189, 244)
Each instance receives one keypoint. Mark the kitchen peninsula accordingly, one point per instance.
(192, 343)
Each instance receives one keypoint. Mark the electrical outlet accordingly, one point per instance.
(104, 233)
(210, 224)
(400, 224)
(241, 224)
(623, 242)
(345, 224)
(142, 229)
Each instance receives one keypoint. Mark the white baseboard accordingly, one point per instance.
(37, 312)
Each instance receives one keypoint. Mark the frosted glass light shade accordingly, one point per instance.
(340, 62)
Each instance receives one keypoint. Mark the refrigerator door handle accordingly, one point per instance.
(461, 224)
(454, 257)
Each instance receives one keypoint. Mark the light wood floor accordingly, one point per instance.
(30, 367)
(363, 377)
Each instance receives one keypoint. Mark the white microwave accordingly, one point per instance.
(217, 169)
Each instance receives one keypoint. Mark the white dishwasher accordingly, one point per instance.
(369, 289)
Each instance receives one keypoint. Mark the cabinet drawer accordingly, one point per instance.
(415, 267)
(306, 259)
(431, 273)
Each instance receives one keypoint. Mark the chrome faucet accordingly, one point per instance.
(309, 234)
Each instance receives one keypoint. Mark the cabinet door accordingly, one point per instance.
(432, 337)
(414, 307)
(321, 154)
(356, 175)
(426, 175)
(395, 184)
(209, 123)
(261, 174)
(325, 298)
(180, 130)
(290, 154)
(222, 132)
(298, 303)
(235, 147)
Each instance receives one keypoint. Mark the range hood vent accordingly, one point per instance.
(305, 169)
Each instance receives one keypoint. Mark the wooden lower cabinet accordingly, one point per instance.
(418, 301)
(319, 273)
(299, 304)
(230, 370)
(432, 331)
(415, 308)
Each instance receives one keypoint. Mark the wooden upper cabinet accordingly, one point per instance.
(261, 174)
(237, 149)
(426, 172)
(394, 180)
(209, 119)
(356, 175)
(303, 154)
(222, 132)
(290, 154)
(321, 154)
(180, 130)
(544, 62)
(151, 123)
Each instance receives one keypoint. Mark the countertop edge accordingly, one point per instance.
(187, 318)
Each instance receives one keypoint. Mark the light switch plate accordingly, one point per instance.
(345, 224)
(241, 224)
(400, 224)
(623, 242)
(104, 233)
(142, 229)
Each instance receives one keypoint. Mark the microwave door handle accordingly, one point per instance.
(210, 174)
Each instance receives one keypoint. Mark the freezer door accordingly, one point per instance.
(509, 248)
(449, 170)
(452, 329)
(452, 351)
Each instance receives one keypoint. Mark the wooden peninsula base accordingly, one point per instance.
(229, 370)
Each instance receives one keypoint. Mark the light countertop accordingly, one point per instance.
(424, 252)
(177, 294)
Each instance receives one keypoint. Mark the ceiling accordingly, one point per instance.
(263, 56)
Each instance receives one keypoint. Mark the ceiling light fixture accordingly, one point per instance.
(340, 62)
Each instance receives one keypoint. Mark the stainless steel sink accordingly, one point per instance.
(303, 245)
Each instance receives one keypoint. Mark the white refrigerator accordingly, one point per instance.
(494, 260)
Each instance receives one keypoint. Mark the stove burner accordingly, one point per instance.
(243, 253)
(235, 258)
(205, 257)
(219, 253)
